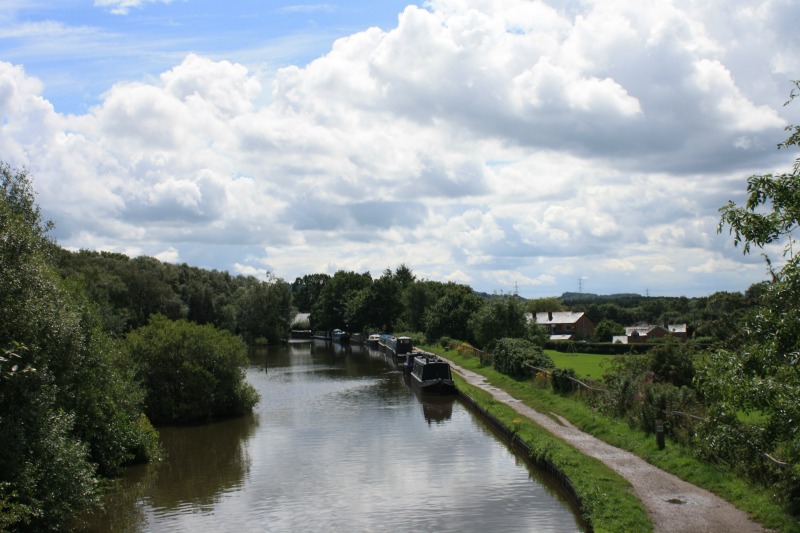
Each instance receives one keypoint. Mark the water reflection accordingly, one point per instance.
(435, 408)
(340, 442)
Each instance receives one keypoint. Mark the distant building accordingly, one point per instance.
(564, 325)
(642, 333)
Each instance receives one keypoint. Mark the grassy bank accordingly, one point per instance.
(606, 502)
(758, 501)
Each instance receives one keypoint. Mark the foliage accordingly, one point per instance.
(673, 362)
(306, 290)
(513, 357)
(329, 311)
(68, 408)
(498, 318)
(561, 380)
(375, 307)
(450, 314)
(264, 309)
(539, 305)
(127, 291)
(762, 372)
(606, 329)
(190, 372)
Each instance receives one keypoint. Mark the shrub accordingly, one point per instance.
(561, 380)
(513, 357)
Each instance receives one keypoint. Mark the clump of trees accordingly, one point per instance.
(127, 291)
(190, 372)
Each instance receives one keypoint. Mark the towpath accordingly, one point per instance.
(673, 504)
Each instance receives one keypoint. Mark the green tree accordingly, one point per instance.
(330, 309)
(761, 373)
(606, 330)
(68, 408)
(449, 316)
(306, 290)
(541, 305)
(264, 309)
(190, 372)
(498, 318)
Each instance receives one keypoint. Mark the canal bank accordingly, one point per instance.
(670, 504)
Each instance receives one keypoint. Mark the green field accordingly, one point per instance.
(586, 365)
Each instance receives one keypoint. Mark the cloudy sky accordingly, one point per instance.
(537, 146)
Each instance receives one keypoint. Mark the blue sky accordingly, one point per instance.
(510, 145)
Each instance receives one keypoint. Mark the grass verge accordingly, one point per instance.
(759, 502)
(605, 500)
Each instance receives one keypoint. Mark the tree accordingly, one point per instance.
(450, 315)
(68, 408)
(762, 372)
(264, 309)
(329, 311)
(514, 357)
(190, 372)
(541, 305)
(498, 318)
(307, 289)
(606, 330)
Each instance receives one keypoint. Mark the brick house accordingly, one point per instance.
(564, 325)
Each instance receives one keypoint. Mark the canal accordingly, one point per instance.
(340, 441)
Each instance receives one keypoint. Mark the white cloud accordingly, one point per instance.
(494, 143)
(123, 7)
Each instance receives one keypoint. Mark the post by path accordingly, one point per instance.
(672, 504)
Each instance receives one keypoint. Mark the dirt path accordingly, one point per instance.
(673, 504)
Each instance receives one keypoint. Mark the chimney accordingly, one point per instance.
(549, 316)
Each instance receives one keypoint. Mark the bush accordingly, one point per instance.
(514, 356)
(561, 380)
(190, 372)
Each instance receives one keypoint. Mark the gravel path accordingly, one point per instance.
(673, 504)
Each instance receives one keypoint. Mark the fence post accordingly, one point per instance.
(660, 434)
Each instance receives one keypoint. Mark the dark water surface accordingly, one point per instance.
(339, 442)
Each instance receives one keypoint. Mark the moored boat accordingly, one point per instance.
(398, 346)
(432, 374)
(372, 340)
(338, 335)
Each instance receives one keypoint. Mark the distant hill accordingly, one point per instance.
(583, 296)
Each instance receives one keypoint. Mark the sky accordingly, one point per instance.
(516, 146)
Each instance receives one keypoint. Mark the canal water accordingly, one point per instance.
(341, 441)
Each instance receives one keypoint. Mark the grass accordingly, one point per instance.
(606, 500)
(586, 365)
(760, 502)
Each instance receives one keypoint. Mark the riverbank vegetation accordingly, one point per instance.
(764, 502)
(72, 401)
